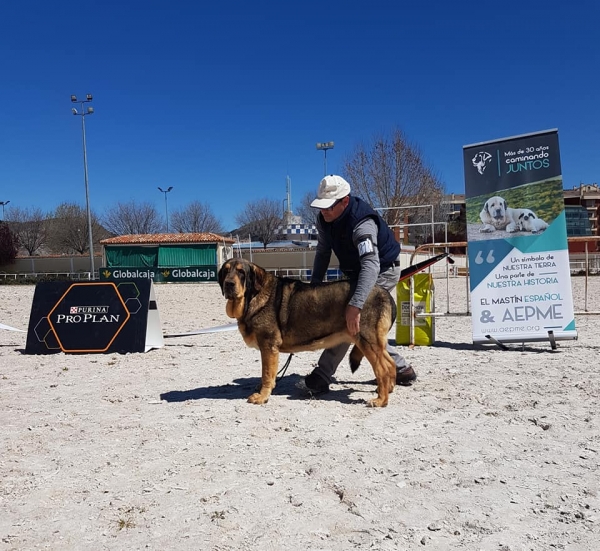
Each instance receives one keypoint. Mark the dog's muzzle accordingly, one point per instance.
(229, 289)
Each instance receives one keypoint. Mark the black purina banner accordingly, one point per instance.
(92, 317)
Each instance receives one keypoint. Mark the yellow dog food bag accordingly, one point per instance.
(424, 302)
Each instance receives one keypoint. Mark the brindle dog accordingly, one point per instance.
(277, 314)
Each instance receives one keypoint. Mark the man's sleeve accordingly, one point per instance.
(365, 241)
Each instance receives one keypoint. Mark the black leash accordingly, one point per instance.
(282, 371)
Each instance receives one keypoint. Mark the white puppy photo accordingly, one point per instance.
(528, 221)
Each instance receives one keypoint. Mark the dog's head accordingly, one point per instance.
(240, 281)
(528, 221)
(481, 160)
(526, 216)
(496, 209)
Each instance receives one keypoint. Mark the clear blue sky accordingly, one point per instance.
(223, 100)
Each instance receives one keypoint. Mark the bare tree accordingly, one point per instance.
(197, 217)
(262, 218)
(132, 218)
(305, 211)
(391, 172)
(29, 225)
(68, 229)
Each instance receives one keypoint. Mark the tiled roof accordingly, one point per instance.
(166, 238)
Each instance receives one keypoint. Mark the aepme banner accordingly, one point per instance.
(517, 240)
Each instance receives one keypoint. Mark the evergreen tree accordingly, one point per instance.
(8, 244)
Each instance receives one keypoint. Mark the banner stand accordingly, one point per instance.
(551, 339)
(496, 342)
(154, 336)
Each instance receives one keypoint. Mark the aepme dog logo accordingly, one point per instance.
(481, 161)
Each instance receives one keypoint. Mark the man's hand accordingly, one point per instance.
(353, 319)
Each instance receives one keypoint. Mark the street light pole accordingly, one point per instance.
(3, 203)
(165, 191)
(83, 113)
(324, 146)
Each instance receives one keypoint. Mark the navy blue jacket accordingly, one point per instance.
(340, 231)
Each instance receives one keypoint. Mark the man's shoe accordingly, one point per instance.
(406, 376)
(314, 384)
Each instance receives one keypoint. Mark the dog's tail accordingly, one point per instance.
(355, 358)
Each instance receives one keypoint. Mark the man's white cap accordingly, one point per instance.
(331, 189)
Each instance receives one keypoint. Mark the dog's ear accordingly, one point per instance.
(222, 274)
(521, 215)
(532, 215)
(486, 206)
(505, 205)
(258, 276)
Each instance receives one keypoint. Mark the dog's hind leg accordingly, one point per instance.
(270, 362)
(384, 370)
(356, 356)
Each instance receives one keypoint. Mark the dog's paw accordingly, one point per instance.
(485, 229)
(377, 403)
(257, 398)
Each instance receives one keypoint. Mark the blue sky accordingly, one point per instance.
(223, 100)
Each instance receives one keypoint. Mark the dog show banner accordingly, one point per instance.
(94, 317)
(518, 253)
(161, 275)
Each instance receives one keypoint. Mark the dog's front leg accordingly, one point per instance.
(270, 362)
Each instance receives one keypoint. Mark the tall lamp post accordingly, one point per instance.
(165, 191)
(3, 203)
(83, 112)
(324, 146)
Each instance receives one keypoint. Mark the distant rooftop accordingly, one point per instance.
(167, 238)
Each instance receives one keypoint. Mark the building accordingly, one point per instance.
(172, 257)
(588, 197)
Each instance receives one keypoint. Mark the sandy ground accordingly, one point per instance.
(489, 450)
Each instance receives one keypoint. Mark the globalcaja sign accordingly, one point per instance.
(161, 275)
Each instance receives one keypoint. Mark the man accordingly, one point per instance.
(368, 253)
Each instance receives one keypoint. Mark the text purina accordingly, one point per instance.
(89, 309)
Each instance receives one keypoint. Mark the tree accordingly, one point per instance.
(68, 229)
(305, 211)
(457, 227)
(132, 218)
(197, 217)
(391, 172)
(30, 227)
(262, 219)
(9, 244)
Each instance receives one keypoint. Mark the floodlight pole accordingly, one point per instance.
(324, 146)
(3, 203)
(165, 191)
(83, 113)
